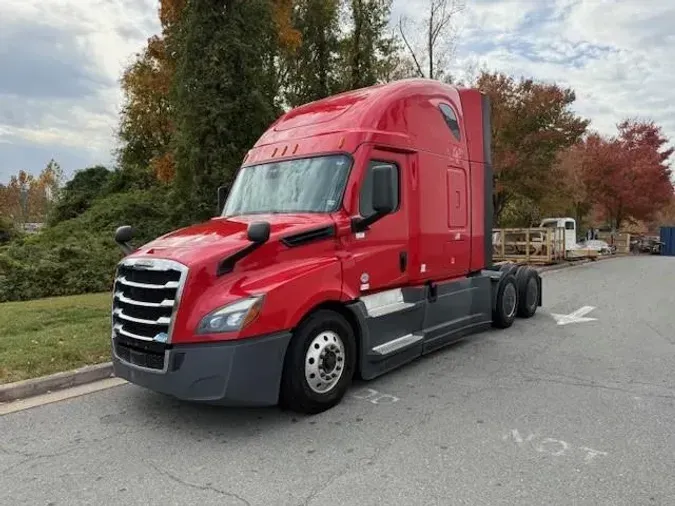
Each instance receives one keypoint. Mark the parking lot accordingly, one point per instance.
(556, 410)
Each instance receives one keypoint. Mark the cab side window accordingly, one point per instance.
(451, 120)
(366, 197)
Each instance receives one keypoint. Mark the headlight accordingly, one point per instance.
(233, 317)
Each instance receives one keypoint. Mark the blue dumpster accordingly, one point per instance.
(668, 240)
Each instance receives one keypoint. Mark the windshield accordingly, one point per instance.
(310, 185)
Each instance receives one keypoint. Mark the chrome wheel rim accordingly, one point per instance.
(324, 362)
(509, 299)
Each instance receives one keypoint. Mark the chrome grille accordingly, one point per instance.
(146, 294)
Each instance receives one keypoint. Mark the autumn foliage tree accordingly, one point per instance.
(531, 124)
(146, 126)
(628, 176)
(570, 195)
(27, 198)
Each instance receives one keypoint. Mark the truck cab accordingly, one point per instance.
(565, 231)
(355, 238)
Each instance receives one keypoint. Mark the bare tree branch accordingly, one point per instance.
(412, 53)
(437, 27)
(430, 42)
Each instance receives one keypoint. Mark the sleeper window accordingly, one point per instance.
(451, 120)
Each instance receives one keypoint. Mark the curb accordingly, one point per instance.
(558, 267)
(574, 263)
(59, 381)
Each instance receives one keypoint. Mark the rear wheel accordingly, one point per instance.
(319, 364)
(506, 302)
(528, 292)
(508, 268)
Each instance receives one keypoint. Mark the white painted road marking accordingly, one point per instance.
(578, 316)
(58, 396)
(591, 453)
(517, 437)
(554, 447)
(375, 397)
(552, 444)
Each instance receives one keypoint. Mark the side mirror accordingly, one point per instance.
(383, 189)
(123, 236)
(222, 197)
(259, 232)
(383, 197)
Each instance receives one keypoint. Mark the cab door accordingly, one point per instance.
(377, 267)
(378, 258)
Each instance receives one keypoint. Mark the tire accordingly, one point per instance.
(528, 292)
(325, 339)
(506, 302)
(508, 268)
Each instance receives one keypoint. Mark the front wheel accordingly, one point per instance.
(319, 365)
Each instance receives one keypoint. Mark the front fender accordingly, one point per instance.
(292, 290)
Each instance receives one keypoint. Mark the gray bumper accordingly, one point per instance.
(239, 373)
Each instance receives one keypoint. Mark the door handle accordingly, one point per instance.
(403, 261)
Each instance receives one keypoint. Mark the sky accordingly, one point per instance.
(61, 60)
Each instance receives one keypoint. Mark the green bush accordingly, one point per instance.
(7, 230)
(79, 255)
(148, 212)
(44, 266)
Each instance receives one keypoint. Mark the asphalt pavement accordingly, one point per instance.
(543, 413)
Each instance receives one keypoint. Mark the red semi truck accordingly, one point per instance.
(356, 237)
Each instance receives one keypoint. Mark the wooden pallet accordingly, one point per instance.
(541, 246)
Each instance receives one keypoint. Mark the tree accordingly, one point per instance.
(431, 53)
(628, 175)
(282, 13)
(4, 201)
(147, 123)
(46, 191)
(28, 199)
(369, 52)
(570, 197)
(312, 69)
(664, 217)
(221, 95)
(78, 194)
(7, 228)
(531, 123)
(146, 128)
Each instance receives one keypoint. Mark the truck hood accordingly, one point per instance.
(220, 237)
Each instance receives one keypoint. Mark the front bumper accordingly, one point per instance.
(235, 373)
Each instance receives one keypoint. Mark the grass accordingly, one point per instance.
(46, 336)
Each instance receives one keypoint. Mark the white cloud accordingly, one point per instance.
(616, 54)
(65, 58)
(62, 97)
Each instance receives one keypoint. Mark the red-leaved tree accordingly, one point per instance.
(628, 177)
(532, 123)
